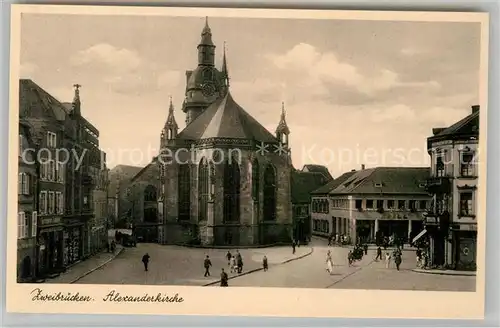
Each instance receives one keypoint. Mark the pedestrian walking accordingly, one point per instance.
(379, 254)
(329, 262)
(419, 257)
(223, 279)
(264, 263)
(293, 247)
(350, 257)
(398, 259)
(232, 265)
(145, 261)
(387, 259)
(365, 248)
(239, 262)
(207, 264)
(228, 257)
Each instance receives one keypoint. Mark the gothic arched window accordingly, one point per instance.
(255, 180)
(269, 193)
(150, 194)
(203, 189)
(184, 192)
(231, 191)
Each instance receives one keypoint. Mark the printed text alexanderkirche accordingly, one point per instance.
(114, 296)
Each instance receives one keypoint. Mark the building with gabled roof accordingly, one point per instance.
(373, 203)
(69, 190)
(303, 183)
(318, 169)
(451, 222)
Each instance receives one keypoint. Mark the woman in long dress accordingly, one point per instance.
(329, 262)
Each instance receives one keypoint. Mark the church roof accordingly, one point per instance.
(319, 169)
(226, 119)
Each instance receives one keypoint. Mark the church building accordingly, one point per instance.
(224, 179)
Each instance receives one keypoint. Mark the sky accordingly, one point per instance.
(355, 92)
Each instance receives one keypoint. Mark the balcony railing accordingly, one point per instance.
(436, 185)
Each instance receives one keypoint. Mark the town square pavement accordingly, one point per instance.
(310, 272)
(176, 265)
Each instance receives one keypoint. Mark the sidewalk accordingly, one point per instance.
(446, 272)
(276, 256)
(80, 270)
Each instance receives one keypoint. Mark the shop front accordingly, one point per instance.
(73, 242)
(50, 251)
(465, 249)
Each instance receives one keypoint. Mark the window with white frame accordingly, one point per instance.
(51, 140)
(59, 203)
(34, 224)
(60, 172)
(21, 145)
(51, 202)
(466, 203)
(467, 164)
(51, 170)
(24, 184)
(21, 225)
(42, 205)
(440, 167)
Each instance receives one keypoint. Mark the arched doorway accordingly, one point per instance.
(149, 232)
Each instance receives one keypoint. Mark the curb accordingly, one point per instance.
(97, 267)
(442, 273)
(260, 269)
(233, 247)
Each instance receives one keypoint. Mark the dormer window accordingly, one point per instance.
(378, 185)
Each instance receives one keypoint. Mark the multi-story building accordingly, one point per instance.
(70, 165)
(451, 222)
(374, 203)
(46, 119)
(304, 181)
(83, 170)
(100, 224)
(27, 219)
(321, 224)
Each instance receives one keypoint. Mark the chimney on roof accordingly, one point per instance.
(362, 166)
(475, 109)
(437, 130)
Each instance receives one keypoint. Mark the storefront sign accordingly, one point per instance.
(50, 221)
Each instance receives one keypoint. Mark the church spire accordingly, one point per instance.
(282, 130)
(206, 48)
(224, 70)
(171, 128)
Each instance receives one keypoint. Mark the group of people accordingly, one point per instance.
(397, 256)
(234, 262)
(335, 239)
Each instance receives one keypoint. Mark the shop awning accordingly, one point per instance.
(420, 235)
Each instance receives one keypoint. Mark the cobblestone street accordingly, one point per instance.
(175, 265)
